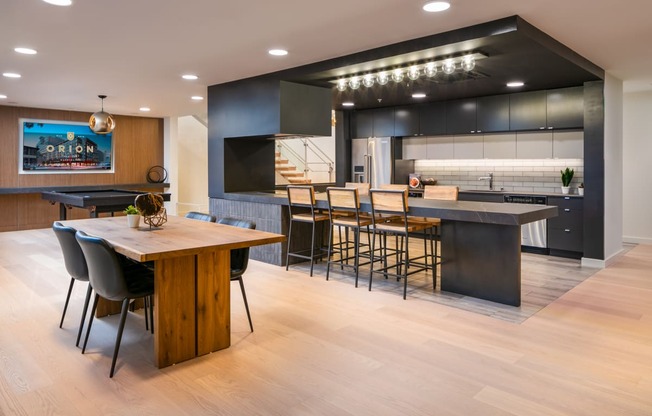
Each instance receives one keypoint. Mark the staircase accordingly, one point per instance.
(288, 172)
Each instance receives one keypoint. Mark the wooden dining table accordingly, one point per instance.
(192, 308)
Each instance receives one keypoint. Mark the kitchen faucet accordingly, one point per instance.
(489, 178)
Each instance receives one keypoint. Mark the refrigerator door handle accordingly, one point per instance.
(367, 168)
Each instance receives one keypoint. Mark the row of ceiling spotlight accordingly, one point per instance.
(413, 72)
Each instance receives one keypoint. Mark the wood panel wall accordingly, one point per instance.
(138, 145)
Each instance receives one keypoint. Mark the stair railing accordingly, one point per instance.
(323, 163)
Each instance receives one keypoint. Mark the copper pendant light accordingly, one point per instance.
(101, 122)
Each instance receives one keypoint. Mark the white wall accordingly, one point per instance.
(637, 172)
(613, 167)
(192, 157)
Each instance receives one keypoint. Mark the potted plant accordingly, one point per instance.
(580, 189)
(566, 178)
(133, 216)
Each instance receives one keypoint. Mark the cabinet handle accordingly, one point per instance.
(567, 230)
(567, 198)
(566, 210)
(541, 128)
(549, 128)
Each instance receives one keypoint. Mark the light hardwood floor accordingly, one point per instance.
(326, 348)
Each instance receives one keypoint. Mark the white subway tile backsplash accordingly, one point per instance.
(523, 175)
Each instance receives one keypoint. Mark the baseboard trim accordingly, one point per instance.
(603, 264)
(593, 263)
(637, 240)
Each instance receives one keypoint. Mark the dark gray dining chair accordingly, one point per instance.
(113, 280)
(200, 216)
(240, 260)
(76, 267)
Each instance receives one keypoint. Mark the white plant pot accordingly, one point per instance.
(580, 191)
(565, 190)
(133, 221)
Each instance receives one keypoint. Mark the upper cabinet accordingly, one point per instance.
(565, 108)
(527, 111)
(415, 148)
(492, 114)
(553, 109)
(384, 122)
(377, 122)
(432, 119)
(406, 121)
(461, 116)
(363, 123)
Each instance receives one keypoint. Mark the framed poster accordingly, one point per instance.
(50, 146)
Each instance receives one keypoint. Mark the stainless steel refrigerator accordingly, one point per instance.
(377, 161)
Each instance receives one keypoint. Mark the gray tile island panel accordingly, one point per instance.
(481, 241)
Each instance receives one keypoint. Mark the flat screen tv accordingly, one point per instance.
(51, 146)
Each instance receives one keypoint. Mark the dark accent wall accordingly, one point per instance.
(594, 170)
(342, 147)
(244, 117)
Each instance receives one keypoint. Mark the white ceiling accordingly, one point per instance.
(135, 51)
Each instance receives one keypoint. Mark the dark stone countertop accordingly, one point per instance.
(468, 211)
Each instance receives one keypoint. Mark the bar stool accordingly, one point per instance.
(346, 200)
(362, 187)
(442, 193)
(395, 202)
(301, 205)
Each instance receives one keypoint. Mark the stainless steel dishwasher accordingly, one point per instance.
(533, 234)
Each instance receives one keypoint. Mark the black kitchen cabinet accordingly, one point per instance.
(492, 114)
(432, 119)
(378, 122)
(481, 197)
(461, 116)
(565, 108)
(364, 123)
(384, 122)
(566, 230)
(406, 121)
(527, 111)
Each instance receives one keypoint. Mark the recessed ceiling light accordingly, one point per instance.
(515, 84)
(145, 109)
(26, 51)
(348, 104)
(11, 75)
(418, 95)
(436, 6)
(189, 76)
(59, 2)
(3, 97)
(277, 52)
(197, 97)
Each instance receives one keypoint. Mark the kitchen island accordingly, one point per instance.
(480, 243)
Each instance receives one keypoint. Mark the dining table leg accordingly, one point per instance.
(174, 310)
(213, 301)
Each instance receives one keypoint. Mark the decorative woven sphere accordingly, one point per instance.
(149, 204)
(101, 122)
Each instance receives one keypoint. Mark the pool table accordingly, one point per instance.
(111, 200)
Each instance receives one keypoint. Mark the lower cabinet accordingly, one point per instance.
(566, 231)
(481, 197)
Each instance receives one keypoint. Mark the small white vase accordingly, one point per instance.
(565, 189)
(580, 191)
(133, 220)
